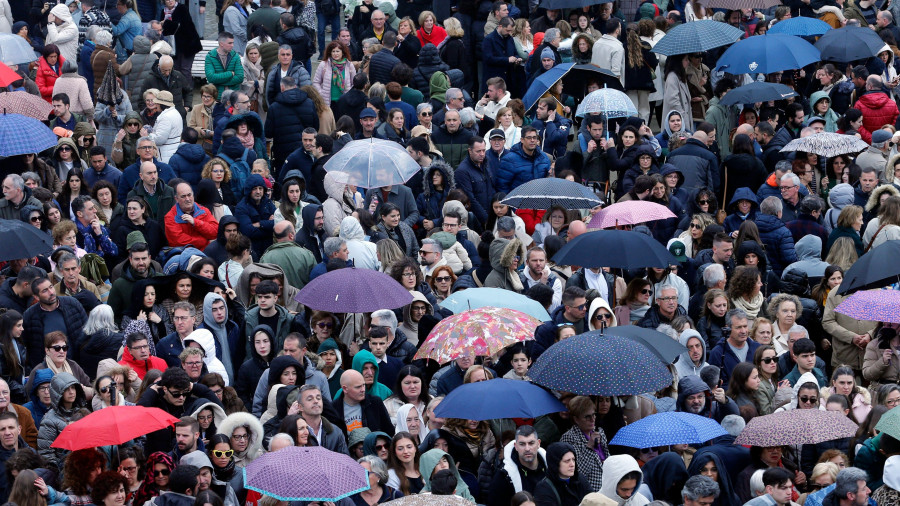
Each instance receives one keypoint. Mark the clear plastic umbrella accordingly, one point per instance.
(373, 163)
(608, 102)
(15, 50)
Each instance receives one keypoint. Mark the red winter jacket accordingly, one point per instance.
(142, 366)
(45, 77)
(878, 110)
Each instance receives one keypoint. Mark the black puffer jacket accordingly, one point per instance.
(292, 111)
(97, 346)
(429, 63)
(73, 315)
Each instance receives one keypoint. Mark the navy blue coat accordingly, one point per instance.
(292, 111)
(477, 184)
(778, 242)
(188, 162)
(517, 168)
(249, 212)
(554, 135)
(430, 201)
(380, 66)
(495, 52)
(698, 165)
(722, 357)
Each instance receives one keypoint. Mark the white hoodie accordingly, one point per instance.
(206, 340)
(65, 36)
(614, 469)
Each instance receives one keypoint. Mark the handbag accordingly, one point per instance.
(720, 213)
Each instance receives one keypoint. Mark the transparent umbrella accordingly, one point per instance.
(373, 163)
(15, 50)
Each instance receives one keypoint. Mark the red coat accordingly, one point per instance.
(878, 110)
(142, 366)
(46, 77)
(198, 235)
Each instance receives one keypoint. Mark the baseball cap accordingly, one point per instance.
(497, 133)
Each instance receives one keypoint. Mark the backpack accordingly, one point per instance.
(240, 171)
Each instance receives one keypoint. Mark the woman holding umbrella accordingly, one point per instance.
(563, 485)
(588, 444)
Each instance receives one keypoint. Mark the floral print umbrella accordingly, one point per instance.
(477, 333)
(796, 427)
(872, 305)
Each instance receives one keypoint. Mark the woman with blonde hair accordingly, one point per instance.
(843, 253)
(326, 117)
(388, 253)
(454, 51)
(254, 75)
(523, 38)
(429, 31)
(408, 45)
(505, 122)
(639, 71)
(218, 172)
(691, 237)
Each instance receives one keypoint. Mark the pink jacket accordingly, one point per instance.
(322, 80)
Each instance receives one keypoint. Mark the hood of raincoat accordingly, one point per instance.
(744, 193)
(445, 170)
(596, 304)
(840, 196)
(61, 11)
(614, 469)
(60, 383)
(351, 230)
(809, 248)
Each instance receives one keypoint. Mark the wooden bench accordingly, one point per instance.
(198, 68)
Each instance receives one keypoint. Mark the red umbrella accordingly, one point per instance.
(630, 212)
(114, 425)
(7, 75)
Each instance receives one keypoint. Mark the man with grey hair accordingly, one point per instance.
(147, 152)
(776, 237)
(876, 155)
(733, 425)
(455, 102)
(398, 345)
(850, 488)
(713, 277)
(736, 347)
(665, 308)
(700, 490)
(608, 52)
(279, 441)
(790, 196)
(884, 21)
(15, 197)
(286, 67)
(506, 228)
(297, 261)
(431, 256)
(165, 77)
(71, 283)
(335, 249)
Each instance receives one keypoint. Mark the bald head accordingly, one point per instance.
(701, 136)
(284, 231)
(576, 228)
(165, 65)
(874, 83)
(354, 387)
(744, 128)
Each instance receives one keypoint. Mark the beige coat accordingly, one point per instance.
(875, 370)
(842, 330)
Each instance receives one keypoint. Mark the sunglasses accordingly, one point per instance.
(807, 400)
(381, 447)
(65, 148)
(602, 316)
(647, 291)
(57, 347)
(442, 279)
(162, 472)
(108, 388)
(703, 202)
(768, 360)
(424, 113)
(36, 219)
(132, 124)
(178, 395)
(324, 325)
(223, 454)
(696, 225)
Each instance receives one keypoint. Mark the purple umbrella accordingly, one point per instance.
(872, 305)
(325, 476)
(353, 290)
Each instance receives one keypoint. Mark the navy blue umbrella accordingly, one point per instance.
(757, 91)
(22, 240)
(663, 346)
(608, 365)
(848, 44)
(576, 80)
(622, 249)
(549, 191)
(670, 428)
(800, 26)
(697, 37)
(498, 398)
(767, 54)
(543, 83)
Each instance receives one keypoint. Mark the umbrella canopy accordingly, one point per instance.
(848, 44)
(608, 102)
(576, 80)
(373, 163)
(630, 212)
(872, 305)
(741, 4)
(621, 249)
(114, 425)
(23, 135)
(327, 475)
(429, 500)
(669, 428)
(768, 54)
(22, 240)
(24, 103)
(890, 423)
(697, 37)
(340, 292)
(108, 92)
(474, 298)
(477, 333)
(757, 91)
(796, 427)
(800, 26)
(876, 269)
(15, 50)
(543, 83)
(609, 365)
(546, 192)
(498, 398)
(661, 345)
(8, 76)
(827, 144)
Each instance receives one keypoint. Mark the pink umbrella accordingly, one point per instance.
(630, 212)
(477, 333)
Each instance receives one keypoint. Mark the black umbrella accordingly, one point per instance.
(571, 4)
(848, 44)
(663, 346)
(623, 249)
(575, 81)
(22, 240)
(876, 269)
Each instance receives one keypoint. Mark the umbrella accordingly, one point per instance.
(669, 428)
(353, 290)
(15, 50)
(630, 212)
(849, 43)
(373, 163)
(611, 365)
(475, 298)
(827, 144)
(327, 475)
(800, 26)
(876, 269)
(872, 305)
(24, 103)
(429, 500)
(23, 135)
(734, 5)
(890, 423)
(621, 249)
(796, 427)
(543, 83)
(767, 54)
(546, 192)
(22, 240)
(8, 76)
(114, 425)
(576, 80)
(498, 398)
(108, 92)
(697, 37)
(757, 91)
(608, 102)
(477, 333)
(661, 345)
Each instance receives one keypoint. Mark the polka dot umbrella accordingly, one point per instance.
(796, 427)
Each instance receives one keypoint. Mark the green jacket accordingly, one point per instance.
(251, 320)
(165, 198)
(870, 460)
(429, 460)
(221, 75)
(724, 118)
(830, 116)
(295, 260)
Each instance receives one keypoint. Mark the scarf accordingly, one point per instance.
(750, 307)
(224, 473)
(65, 368)
(337, 72)
(167, 13)
(149, 489)
(247, 139)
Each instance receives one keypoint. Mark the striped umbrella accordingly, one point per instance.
(697, 37)
(550, 191)
(827, 144)
(801, 27)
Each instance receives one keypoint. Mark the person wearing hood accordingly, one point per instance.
(206, 480)
(331, 363)
(600, 315)
(694, 359)
(124, 145)
(312, 234)
(343, 199)
(809, 254)
(674, 123)
(66, 398)
(664, 477)
(562, 486)
(41, 400)
(226, 332)
(434, 460)
(841, 196)
(505, 258)
(742, 168)
(362, 252)
(256, 214)
(207, 343)
(438, 181)
(365, 363)
(883, 227)
(227, 227)
(412, 315)
(622, 478)
(645, 162)
(262, 352)
(707, 462)
(694, 397)
(246, 434)
(63, 32)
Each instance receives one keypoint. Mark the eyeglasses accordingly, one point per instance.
(442, 279)
(223, 454)
(181, 318)
(178, 395)
(530, 137)
(162, 472)
(129, 469)
(807, 400)
(132, 124)
(240, 437)
(671, 297)
(204, 418)
(590, 416)
(786, 188)
(602, 316)
(58, 348)
(892, 402)
(141, 347)
(580, 308)
(108, 388)
(87, 139)
(324, 325)
(44, 388)
(696, 225)
(419, 309)
(647, 291)
(409, 274)
(145, 147)
(768, 360)
(194, 364)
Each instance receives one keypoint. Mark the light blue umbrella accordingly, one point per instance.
(373, 163)
(801, 27)
(475, 298)
(697, 37)
(767, 54)
(608, 102)
(669, 428)
(15, 50)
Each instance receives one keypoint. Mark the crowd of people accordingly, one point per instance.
(182, 233)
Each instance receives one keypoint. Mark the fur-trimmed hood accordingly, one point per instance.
(503, 252)
(875, 197)
(446, 170)
(242, 419)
